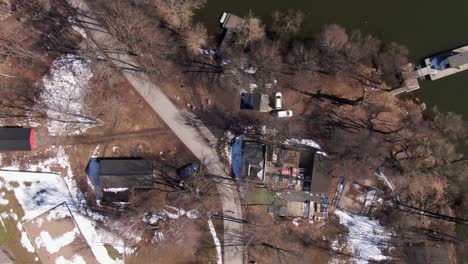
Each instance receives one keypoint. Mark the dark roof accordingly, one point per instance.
(254, 159)
(458, 60)
(257, 102)
(125, 173)
(16, 138)
(321, 175)
(419, 253)
(111, 197)
(306, 162)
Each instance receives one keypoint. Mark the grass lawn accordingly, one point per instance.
(260, 196)
(10, 236)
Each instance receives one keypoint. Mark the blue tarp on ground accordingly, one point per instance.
(93, 173)
(237, 156)
(247, 101)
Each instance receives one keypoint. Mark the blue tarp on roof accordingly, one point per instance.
(440, 61)
(237, 156)
(93, 174)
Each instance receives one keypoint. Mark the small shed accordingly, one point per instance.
(114, 179)
(17, 139)
(231, 22)
(256, 102)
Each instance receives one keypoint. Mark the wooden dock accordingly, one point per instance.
(231, 24)
(410, 75)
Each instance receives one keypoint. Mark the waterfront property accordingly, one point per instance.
(447, 63)
(230, 24)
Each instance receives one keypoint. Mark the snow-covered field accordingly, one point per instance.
(39, 192)
(64, 93)
(366, 238)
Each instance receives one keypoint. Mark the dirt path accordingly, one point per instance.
(107, 138)
(195, 135)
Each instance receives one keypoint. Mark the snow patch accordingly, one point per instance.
(304, 142)
(366, 237)
(53, 245)
(96, 152)
(64, 93)
(76, 259)
(216, 241)
(385, 180)
(49, 190)
(114, 190)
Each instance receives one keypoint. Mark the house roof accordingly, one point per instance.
(231, 22)
(257, 102)
(261, 102)
(458, 59)
(306, 162)
(254, 159)
(321, 175)
(125, 173)
(16, 138)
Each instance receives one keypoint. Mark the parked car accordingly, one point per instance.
(186, 170)
(278, 101)
(283, 113)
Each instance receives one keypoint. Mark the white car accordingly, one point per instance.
(278, 101)
(284, 113)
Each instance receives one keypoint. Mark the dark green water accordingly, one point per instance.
(424, 27)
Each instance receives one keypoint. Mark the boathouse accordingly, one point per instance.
(17, 139)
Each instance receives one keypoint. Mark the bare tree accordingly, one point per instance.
(250, 31)
(332, 38)
(178, 13)
(195, 38)
(287, 23)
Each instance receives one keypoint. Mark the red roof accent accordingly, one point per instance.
(32, 139)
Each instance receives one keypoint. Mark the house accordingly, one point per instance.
(248, 158)
(115, 179)
(17, 139)
(422, 253)
(256, 102)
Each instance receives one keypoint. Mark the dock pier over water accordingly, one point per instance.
(434, 68)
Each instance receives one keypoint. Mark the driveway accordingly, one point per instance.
(195, 136)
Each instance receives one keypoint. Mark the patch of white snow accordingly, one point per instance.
(366, 237)
(216, 241)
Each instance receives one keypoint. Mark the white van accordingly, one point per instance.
(278, 101)
(284, 113)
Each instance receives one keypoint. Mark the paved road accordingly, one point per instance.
(196, 136)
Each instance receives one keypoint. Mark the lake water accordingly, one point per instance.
(424, 27)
